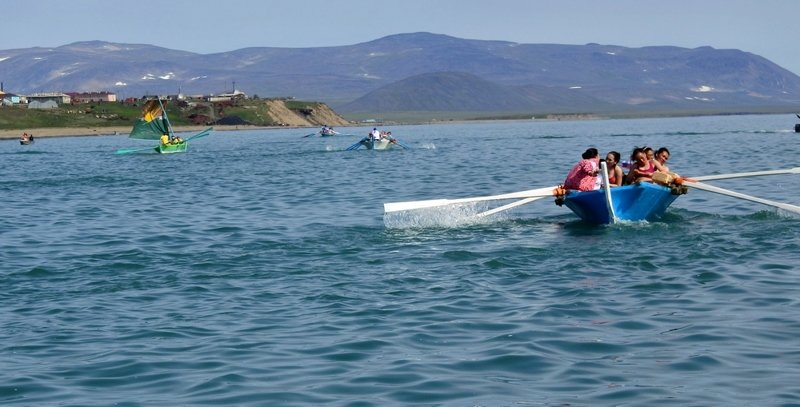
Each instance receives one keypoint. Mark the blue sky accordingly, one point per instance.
(764, 27)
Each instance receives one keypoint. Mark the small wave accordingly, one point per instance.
(457, 215)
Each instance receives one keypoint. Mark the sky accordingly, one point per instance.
(767, 28)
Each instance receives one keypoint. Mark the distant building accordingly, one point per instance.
(40, 100)
(88, 97)
(42, 104)
(10, 99)
(225, 97)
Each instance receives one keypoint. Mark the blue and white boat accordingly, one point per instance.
(643, 201)
(637, 202)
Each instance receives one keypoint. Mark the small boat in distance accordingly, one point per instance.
(26, 139)
(382, 144)
(797, 126)
(327, 132)
(377, 141)
(154, 125)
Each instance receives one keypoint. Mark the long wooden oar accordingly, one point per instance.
(509, 206)
(356, 145)
(411, 205)
(795, 170)
(722, 191)
(201, 134)
(133, 150)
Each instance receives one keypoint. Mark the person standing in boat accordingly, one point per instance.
(583, 176)
(615, 174)
(375, 134)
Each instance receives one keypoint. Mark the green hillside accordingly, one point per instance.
(110, 114)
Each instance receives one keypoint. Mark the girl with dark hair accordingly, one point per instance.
(615, 175)
(583, 176)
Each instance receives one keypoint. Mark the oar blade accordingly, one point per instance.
(132, 150)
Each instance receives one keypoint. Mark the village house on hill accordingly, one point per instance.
(49, 100)
(88, 97)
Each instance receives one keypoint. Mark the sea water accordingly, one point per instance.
(258, 269)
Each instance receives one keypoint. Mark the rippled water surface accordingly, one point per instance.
(258, 269)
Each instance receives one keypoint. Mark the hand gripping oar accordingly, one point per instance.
(795, 170)
(411, 205)
(722, 191)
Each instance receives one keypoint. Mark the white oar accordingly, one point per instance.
(508, 206)
(411, 205)
(795, 170)
(722, 191)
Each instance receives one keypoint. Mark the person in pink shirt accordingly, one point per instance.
(642, 169)
(583, 176)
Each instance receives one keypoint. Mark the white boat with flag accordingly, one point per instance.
(154, 125)
(637, 202)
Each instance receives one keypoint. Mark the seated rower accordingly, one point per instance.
(641, 168)
(661, 157)
(615, 174)
(583, 176)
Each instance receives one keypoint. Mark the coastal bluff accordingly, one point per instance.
(79, 120)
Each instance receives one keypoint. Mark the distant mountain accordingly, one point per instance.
(409, 72)
(463, 92)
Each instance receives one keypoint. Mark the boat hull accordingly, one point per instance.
(383, 144)
(643, 201)
(171, 148)
(26, 142)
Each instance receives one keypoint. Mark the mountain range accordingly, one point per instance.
(423, 72)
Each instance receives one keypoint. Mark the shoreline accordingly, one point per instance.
(112, 131)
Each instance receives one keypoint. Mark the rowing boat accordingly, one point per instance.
(154, 125)
(171, 148)
(377, 144)
(382, 144)
(637, 202)
(643, 201)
